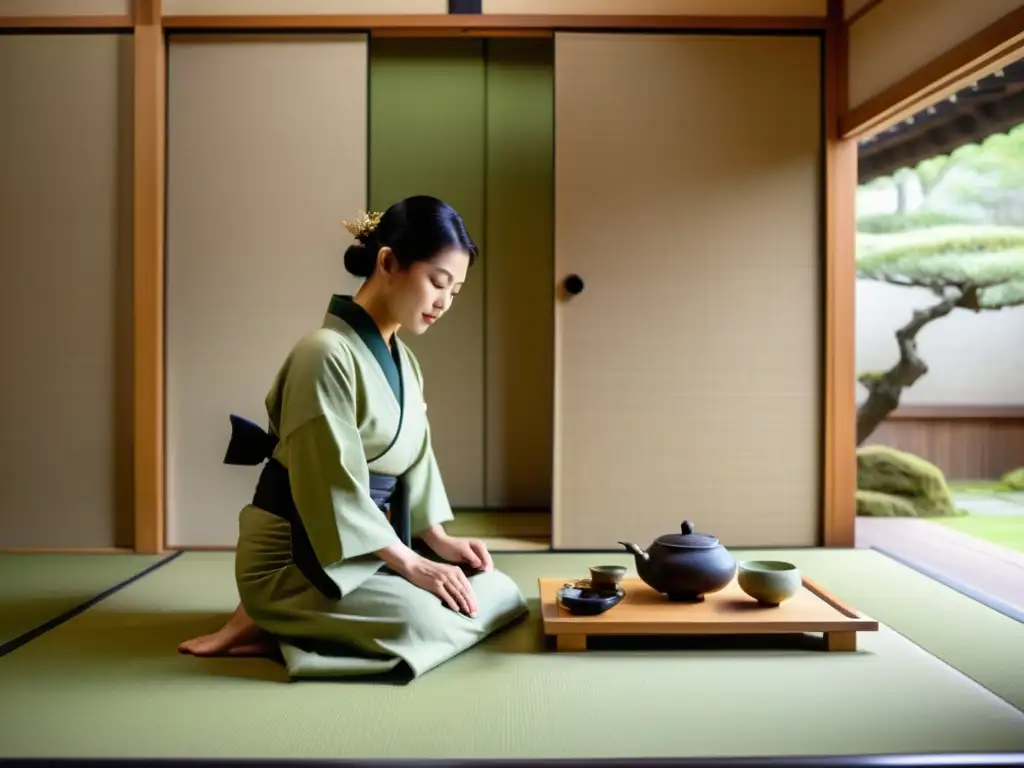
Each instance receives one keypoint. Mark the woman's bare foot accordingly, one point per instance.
(238, 637)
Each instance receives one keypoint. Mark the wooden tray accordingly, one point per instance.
(728, 612)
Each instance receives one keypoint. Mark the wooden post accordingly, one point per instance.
(840, 464)
(148, 274)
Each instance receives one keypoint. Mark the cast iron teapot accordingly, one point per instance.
(684, 566)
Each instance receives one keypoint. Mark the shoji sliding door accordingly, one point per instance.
(267, 154)
(65, 290)
(688, 199)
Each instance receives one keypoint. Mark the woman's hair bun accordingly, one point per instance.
(359, 260)
(414, 229)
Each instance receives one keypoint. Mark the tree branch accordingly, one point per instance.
(884, 391)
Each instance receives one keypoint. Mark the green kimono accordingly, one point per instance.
(348, 433)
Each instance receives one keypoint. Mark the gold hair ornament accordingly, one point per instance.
(363, 225)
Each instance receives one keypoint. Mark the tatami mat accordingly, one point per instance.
(109, 683)
(36, 588)
(981, 643)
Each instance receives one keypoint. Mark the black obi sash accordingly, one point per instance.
(251, 445)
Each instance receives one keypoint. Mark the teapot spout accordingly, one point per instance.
(639, 553)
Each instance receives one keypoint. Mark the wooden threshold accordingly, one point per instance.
(996, 45)
(512, 524)
(83, 21)
(462, 23)
(839, 485)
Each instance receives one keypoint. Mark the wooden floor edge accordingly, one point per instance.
(980, 596)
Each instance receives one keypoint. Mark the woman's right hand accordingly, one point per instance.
(446, 581)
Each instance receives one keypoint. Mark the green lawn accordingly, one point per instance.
(1005, 531)
(975, 486)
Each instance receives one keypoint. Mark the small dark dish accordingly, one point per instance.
(583, 601)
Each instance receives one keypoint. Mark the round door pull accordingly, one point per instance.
(574, 284)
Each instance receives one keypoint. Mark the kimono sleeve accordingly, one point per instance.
(329, 476)
(428, 499)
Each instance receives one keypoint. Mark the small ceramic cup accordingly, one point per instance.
(606, 577)
(770, 582)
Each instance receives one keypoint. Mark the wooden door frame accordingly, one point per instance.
(843, 127)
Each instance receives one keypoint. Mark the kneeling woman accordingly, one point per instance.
(324, 564)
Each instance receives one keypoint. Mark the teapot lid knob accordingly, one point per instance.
(687, 528)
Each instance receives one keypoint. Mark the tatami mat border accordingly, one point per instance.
(41, 629)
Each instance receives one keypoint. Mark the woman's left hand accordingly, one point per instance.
(472, 552)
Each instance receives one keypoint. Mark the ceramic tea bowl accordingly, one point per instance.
(770, 582)
(606, 578)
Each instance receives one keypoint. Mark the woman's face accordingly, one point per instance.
(420, 295)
